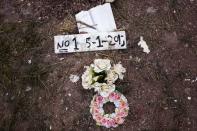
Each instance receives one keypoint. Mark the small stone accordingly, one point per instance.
(194, 80)
(165, 108)
(186, 45)
(130, 57)
(189, 98)
(66, 108)
(29, 4)
(175, 100)
(29, 61)
(28, 89)
(50, 127)
(69, 94)
(61, 59)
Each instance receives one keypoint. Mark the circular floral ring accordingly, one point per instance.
(113, 119)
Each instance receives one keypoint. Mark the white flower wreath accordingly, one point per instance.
(101, 76)
(109, 120)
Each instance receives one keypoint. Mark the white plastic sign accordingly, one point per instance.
(90, 42)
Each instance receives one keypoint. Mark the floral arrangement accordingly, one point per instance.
(109, 120)
(101, 76)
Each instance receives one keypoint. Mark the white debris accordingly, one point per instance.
(6, 94)
(109, 1)
(61, 59)
(29, 61)
(66, 108)
(186, 79)
(97, 19)
(175, 100)
(137, 59)
(151, 10)
(143, 45)
(189, 98)
(194, 80)
(69, 94)
(28, 88)
(74, 78)
(50, 127)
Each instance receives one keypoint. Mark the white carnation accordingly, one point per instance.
(101, 65)
(87, 79)
(119, 69)
(104, 89)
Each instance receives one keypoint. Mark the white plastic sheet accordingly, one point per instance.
(97, 19)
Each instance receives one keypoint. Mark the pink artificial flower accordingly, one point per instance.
(121, 114)
(119, 120)
(104, 121)
(99, 99)
(114, 96)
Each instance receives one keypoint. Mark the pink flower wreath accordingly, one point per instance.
(109, 120)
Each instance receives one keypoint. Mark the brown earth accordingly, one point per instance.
(158, 86)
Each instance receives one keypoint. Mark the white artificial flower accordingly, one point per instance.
(87, 79)
(104, 89)
(101, 65)
(112, 76)
(119, 69)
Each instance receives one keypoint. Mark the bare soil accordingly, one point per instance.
(161, 87)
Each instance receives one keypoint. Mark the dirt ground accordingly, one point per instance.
(161, 87)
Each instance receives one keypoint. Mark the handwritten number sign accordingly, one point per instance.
(90, 42)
